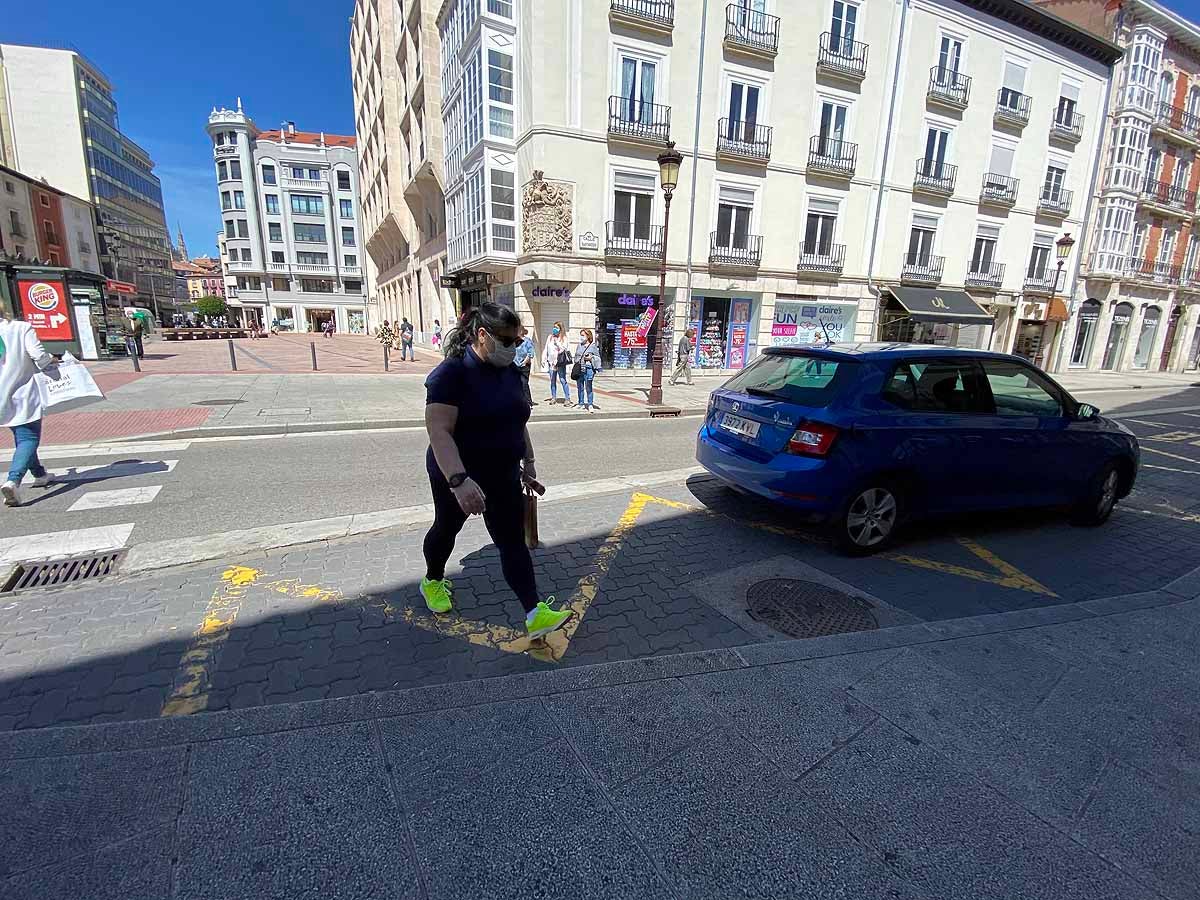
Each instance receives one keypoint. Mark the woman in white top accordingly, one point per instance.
(21, 357)
(555, 364)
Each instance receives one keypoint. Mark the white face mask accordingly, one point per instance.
(499, 355)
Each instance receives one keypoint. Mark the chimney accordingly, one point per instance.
(291, 127)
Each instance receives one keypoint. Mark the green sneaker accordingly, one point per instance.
(437, 595)
(546, 619)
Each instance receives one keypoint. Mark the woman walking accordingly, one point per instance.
(21, 357)
(587, 357)
(385, 335)
(437, 334)
(479, 454)
(555, 358)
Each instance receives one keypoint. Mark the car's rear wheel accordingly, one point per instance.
(867, 521)
(1098, 502)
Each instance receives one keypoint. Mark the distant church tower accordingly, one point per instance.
(181, 249)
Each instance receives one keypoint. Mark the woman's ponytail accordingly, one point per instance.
(490, 316)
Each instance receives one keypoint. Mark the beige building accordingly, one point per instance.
(395, 60)
(862, 170)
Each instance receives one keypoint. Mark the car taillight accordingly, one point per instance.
(812, 439)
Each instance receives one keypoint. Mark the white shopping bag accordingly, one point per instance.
(67, 385)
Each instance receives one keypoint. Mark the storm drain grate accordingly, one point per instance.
(57, 572)
(804, 609)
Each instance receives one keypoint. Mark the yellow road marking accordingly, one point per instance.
(190, 691)
(291, 587)
(1172, 455)
(1173, 436)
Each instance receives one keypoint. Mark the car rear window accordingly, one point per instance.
(803, 380)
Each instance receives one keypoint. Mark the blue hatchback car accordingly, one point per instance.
(865, 437)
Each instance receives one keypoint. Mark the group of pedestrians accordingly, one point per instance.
(583, 363)
(400, 337)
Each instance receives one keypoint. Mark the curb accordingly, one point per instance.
(149, 733)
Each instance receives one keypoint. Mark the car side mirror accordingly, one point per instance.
(1086, 411)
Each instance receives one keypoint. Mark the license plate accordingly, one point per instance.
(738, 425)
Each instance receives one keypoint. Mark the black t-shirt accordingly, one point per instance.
(492, 410)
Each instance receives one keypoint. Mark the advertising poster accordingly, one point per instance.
(46, 307)
(797, 323)
(630, 339)
(644, 322)
(737, 346)
(741, 311)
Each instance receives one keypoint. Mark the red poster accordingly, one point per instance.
(737, 347)
(630, 339)
(46, 307)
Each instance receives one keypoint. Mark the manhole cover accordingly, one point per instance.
(805, 609)
(57, 572)
(217, 402)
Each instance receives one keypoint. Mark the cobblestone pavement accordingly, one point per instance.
(342, 618)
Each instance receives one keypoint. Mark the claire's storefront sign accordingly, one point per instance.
(805, 322)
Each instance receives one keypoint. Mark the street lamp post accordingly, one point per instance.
(1062, 248)
(668, 176)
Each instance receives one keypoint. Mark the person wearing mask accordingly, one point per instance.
(588, 357)
(479, 454)
(524, 362)
(437, 334)
(555, 358)
(406, 341)
(683, 357)
(21, 357)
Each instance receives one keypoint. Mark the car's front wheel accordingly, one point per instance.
(1098, 501)
(867, 521)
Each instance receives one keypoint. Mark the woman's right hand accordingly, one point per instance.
(470, 498)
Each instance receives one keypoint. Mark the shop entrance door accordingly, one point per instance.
(712, 332)
(1117, 335)
(1029, 340)
(317, 318)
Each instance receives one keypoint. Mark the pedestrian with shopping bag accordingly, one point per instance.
(556, 357)
(22, 357)
(587, 364)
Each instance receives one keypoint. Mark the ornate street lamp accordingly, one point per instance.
(668, 176)
(1062, 249)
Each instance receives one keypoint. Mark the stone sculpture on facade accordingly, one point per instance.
(547, 225)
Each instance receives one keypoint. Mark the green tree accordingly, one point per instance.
(210, 306)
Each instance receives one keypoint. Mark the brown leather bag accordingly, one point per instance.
(532, 491)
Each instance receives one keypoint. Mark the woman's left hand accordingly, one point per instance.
(529, 471)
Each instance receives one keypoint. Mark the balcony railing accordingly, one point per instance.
(949, 87)
(831, 157)
(922, 269)
(306, 184)
(627, 240)
(935, 177)
(1044, 281)
(1153, 270)
(638, 120)
(317, 268)
(1055, 203)
(1178, 120)
(999, 190)
(660, 13)
(827, 262)
(241, 266)
(352, 271)
(740, 138)
(842, 57)
(1161, 193)
(987, 276)
(225, 150)
(277, 267)
(731, 250)
(1067, 126)
(751, 30)
(1012, 107)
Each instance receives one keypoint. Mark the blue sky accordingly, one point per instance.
(171, 62)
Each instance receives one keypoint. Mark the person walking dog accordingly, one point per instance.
(22, 356)
(479, 456)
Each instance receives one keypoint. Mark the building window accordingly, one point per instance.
(937, 145)
(243, 229)
(316, 285)
(984, 254)
(921, 239)
(308, 205)
(51, 234)
(233, 138)
(268, 174)
(500, 91)
(226, 201)
(820, 227)
(633, 198)
(350, 261)
(504, 216)
(343, 180)
(1166, 247)
(222, 171)
(309, 234)
(842, 26)
(502, 8)
(229, 229)
(220, 138)
(9, 188)
(246, 254)
(239, 200)
(346, 209)
(235, 170)
(832, 128)
(353, 286)
(277, 257)
(473, 103)
(1052, 187)
(311, 258)
(638, 82)
(280, 284)
(1166, 88)
(314, 174)
(274, 232)
(743, 111)
(734, 209)
(347, 237)
(272, 204)
(1039, 258)
(1145, 60)
(1068, 101)
(1013, 90)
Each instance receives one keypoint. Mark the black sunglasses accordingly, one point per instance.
(504, 341)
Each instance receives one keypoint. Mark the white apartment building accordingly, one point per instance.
(395, 60)
(292, 251)
(867, 170)
(1138, 305)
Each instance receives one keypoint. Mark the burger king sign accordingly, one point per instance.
(44, 306)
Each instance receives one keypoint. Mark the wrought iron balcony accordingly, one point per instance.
(1168, 197)
(1012, 108)
(657, 15)
(627, 240)
(922, 268)
(831, 157)
(935, 177)
(1041, 281)
(1153, 270)
(1067, 126)
(733, 251)
(828, 260)
(985, 276)
(1055, 203)
(948, 87)
(1177, 121)
(999, 190)
(841, 57)
(639, 121)
(751, 31)
(747, 140)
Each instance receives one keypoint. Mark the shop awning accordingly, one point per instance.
(936, 305)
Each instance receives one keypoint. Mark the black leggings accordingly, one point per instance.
(505, 520)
